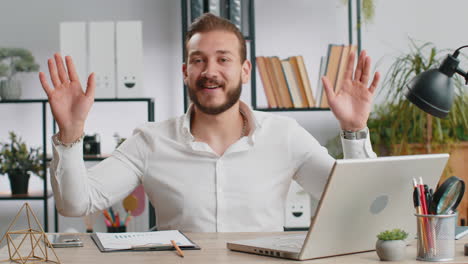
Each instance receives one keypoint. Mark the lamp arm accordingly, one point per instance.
(462, 73)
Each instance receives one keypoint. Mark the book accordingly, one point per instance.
(303, 80)
(267, 85)
(291, 83)
(273, 81)
(323, 66)
(283, 90)
(157, 240)
(347, 50)
(334, 56)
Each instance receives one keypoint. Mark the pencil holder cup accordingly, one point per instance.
(118, 229)
(436, 237)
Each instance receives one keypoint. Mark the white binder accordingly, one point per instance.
(73, 43)
(129, 56)
(102, 57)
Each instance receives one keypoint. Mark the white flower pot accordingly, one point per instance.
(391, 250)
(10, 89)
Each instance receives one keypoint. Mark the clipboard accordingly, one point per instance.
(101, 248)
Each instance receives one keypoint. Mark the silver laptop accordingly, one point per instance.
(361, 198)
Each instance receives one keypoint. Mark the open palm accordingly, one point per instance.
(352, 103)
(70, 105)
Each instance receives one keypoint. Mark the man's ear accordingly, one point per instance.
(246, 71)
(184, 72)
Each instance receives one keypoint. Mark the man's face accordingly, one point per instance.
(214, 73)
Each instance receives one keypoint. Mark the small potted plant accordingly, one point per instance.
(391, 245)
(18, 162)
(13, 61)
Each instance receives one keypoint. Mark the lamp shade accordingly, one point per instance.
(432, 91)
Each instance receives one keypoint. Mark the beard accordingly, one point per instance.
(232, 96)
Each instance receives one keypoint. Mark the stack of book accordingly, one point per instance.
(286, 82)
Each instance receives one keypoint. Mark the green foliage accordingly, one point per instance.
(367, 9)
(398, 122)
(16, 158)
(395, 234)
(13, 60)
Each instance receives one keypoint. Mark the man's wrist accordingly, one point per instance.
(58, 141)
(355, 135)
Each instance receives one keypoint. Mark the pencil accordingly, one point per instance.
(179, 251)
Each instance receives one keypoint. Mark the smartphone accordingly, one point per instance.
(62, 241)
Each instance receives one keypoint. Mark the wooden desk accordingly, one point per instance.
(214, 251)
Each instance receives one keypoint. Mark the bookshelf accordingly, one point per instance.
(150, 117)
(248, 30)
(45, 193)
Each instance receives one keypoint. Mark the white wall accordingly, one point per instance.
(300, 27)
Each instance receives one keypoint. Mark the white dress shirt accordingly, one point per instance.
(191, 187)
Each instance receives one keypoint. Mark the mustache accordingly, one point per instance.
(204, 81)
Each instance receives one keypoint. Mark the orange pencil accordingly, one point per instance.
(179, 251)
(117, 219)
(107, 215)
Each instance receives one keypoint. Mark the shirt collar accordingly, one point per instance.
(244, 108)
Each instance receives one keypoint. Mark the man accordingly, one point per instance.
(221, 166)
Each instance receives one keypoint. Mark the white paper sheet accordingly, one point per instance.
(136, 239)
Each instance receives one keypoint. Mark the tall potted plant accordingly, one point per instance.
(18, 162)
(13, 61)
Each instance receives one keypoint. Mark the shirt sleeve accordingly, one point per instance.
(357, 148)
(313, 163)
(79, 191)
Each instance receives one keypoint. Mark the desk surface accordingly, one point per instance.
(214, 251)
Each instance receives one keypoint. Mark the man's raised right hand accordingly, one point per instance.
(70, 105)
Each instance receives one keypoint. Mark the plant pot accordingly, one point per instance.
(10, 89)
(19, 182)
(391, 250)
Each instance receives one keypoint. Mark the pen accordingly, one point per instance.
(108, 224)
(153, 247)
(417, 205)
(107, 216)
(179, 251)
(117, 220)
(111, 212)
(128, 220)
(126, 217)
(423, 196)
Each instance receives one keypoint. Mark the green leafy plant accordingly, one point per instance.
(16, 158)
(394, 234)
(14, 60)
(397, 123)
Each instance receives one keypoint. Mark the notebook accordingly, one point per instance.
(157, 240)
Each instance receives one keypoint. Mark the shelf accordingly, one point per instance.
(19, 101)
(39, 194)
(31, 195)
(23, 101)
(292, 109)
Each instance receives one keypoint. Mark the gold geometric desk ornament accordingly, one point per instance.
(37, 250)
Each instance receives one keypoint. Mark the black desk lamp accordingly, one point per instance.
(432, 91)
